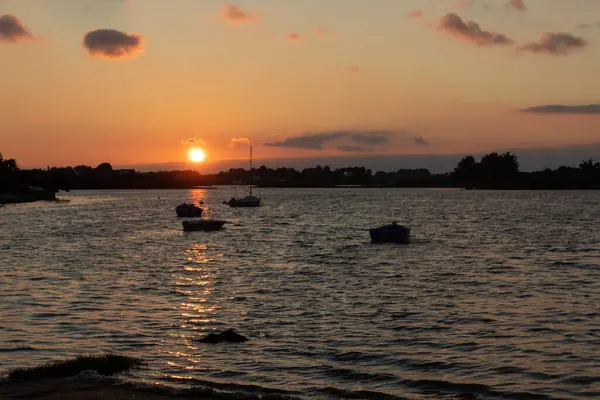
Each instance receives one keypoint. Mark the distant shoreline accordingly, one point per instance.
(5, 200)
(493, 172)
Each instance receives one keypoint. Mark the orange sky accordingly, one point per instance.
(130, 81)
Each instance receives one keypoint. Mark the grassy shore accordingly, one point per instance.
(91, 378)
(105, 364)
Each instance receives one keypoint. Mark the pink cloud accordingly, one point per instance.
(471, 31)
(555, 44)
(321, 32)
(236, 15)
(464, 3)
(415, 14)
(12, 30)
(354, 69)
(113, 44)
(237, 141)
(517, 5)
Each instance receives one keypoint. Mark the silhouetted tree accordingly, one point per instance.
(104, 168)
(8, 172)
(466, 170)
(589, 165)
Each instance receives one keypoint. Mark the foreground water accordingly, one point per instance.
(498, 296)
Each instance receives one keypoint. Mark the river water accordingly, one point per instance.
(497, 296)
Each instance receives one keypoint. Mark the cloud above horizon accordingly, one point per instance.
(193, 142)
(13, 30)
(517, 5)
(420, 141)
(564, 109)
(471, 31)
(415, 14)
(237, 141)
(589, 25)
(355, 149)
(371, 138)
(559, 43)
(236, 15)
(293, 37)
(317, 141)
(112, 44)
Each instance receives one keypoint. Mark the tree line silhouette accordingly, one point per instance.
(492, 171)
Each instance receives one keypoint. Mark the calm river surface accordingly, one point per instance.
(498, 296)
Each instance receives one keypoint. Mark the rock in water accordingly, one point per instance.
(229, 335)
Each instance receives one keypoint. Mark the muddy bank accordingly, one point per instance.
(64, 389)
(102, 388)
(89, 377)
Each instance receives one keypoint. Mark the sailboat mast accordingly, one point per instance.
(251, 176)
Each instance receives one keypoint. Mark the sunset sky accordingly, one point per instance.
(138, 81)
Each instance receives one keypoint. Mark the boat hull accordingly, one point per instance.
(188, 211)
(249, 201)
(390, 234)
(202, 225)
(244, 204)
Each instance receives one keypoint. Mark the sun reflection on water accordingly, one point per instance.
(196, 282)
(198, 197)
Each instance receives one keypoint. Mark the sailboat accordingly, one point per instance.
(248, 201)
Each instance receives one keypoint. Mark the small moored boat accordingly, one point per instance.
(203, 225)
(188, 210)
(392, 233)
(248, 201)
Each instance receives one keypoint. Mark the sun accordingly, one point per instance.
(196, 155)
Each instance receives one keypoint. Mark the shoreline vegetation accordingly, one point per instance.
(105, 364)
(92, 378)
(493, 171)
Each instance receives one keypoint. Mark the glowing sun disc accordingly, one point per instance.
(196, 155)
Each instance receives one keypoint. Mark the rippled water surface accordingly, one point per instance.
(498, 295)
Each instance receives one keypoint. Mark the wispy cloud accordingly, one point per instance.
(311, 141)
(492, 5)
(355, 149)
(12, 30)
(293, 37)
(420, 141)
(236, 15)
(193, 142)
(113, 44)
(464, 3)
(564, 109)
(555, 43)
(354, 69)
(321, 32)
(517, 5)
(371, 138)
(415, 14)
(589, 25)
(471, 31)
(237, 141)
(317, 140)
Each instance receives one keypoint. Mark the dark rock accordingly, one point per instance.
(229, 335)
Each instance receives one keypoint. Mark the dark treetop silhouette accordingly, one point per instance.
(14, 190)
(493, 171)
